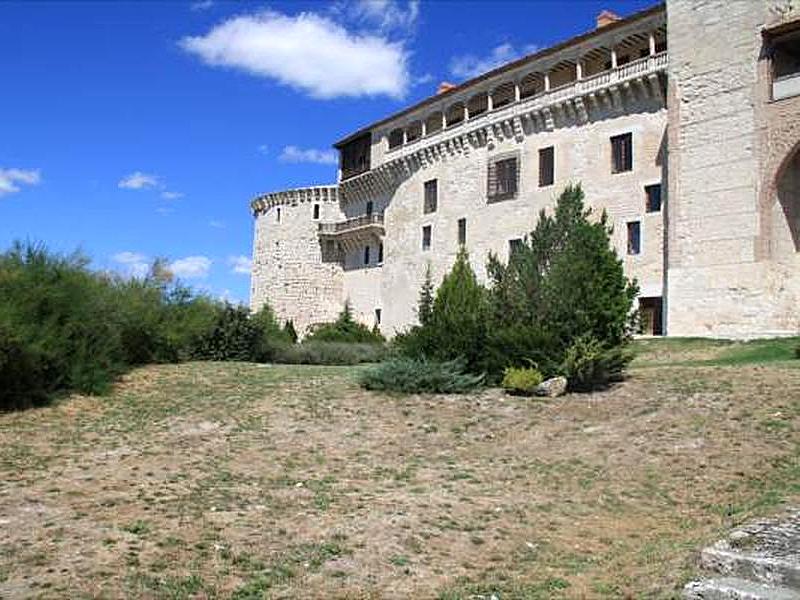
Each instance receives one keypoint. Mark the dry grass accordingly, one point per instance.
(231, 480)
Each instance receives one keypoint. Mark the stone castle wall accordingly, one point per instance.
(723, 253)
(582, 155)
(722, 279)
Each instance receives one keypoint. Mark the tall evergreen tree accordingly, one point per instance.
(426, 294)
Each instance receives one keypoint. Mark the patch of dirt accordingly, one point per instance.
(209, 480)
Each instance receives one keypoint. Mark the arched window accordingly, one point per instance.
(478, 105)
(530, 85)
(502, 95)
(786, 219)
(414, 131)
(395, 138)
(455, 114)
(433, 123)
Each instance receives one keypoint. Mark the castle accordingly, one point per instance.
(681, 121)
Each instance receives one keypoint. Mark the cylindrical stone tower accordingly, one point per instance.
(293, 271)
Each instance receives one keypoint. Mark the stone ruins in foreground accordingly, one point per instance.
(682, 121)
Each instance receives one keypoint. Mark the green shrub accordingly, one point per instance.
(62, 316)
(521, 380)
(234, 336)
(797, 352)
(564, 281)
(455, 326)
(345, 329)
(290, 332)
(589, 365)
(328, 353)
(66, 328)
(518, 347)
(410, 375)
(23, 374)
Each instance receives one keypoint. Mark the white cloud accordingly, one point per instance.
(217, 224)
(171, 195)
(191, 267)
(386, 15)
(293, 154)
(202, 5)
(309, 52)
(165, 210)
(133, 263)
(263, 149)
(12, 179)
(241, 265)
(470, 65)
(139, 181)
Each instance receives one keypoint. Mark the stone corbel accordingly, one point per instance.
(519, 131)
(488, 131)
(615, 96)
(549, 122)
(582, 110)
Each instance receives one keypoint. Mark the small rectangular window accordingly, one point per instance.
(431, 199)
(653, 194)
(426, 237)
(634, 237)
(462, 231)
(366, 255)
(377, 316)
(514, 246)
(278, 215)
(502, 179)
(547, 168)
(316, 211)
(380, 253)
(622, 153)
(369, 208)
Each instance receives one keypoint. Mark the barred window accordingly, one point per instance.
(653, 193)
(547, 167)
(502, 179)
(622, 153)
(634, 237)
(426, 237)
(431, 199)
(462, 231)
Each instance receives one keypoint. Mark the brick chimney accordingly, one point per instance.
(606, 17)
(445, 86)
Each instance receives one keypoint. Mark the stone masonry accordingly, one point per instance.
(688, 84)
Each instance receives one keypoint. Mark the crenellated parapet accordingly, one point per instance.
(313, 194)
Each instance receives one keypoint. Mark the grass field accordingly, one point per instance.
(242, 481)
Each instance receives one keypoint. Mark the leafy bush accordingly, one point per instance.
(233, 336)
(564, 281)
(589, 365)
(64, 327)
(290, 332)
(522, 380)
(62, 318)
(23, 373)
(410, 375)
(345, 329)
(328, 353)
(455, 326)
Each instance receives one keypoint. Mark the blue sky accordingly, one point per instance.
(140, 130)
